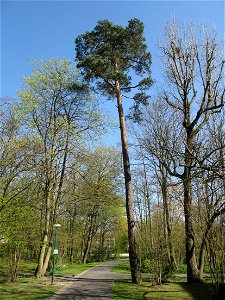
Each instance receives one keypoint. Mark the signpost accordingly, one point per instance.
(55, 251)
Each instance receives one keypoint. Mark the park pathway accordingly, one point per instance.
(93, 284)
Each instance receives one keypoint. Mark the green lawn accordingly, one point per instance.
(176, 288)
(182, 269)
(124, 289)
(74, 269)
(123, 267)
(28, 287)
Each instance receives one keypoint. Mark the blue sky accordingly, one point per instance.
(44, 29)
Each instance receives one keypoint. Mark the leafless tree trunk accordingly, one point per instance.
(164, 188)
(148, 205)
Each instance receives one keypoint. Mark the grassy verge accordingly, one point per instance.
(28, 287)
(123, 267)
(124, 289)
(182, 269)
(74, 269)
(175, 288)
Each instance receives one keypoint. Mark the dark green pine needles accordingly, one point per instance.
(110, 54)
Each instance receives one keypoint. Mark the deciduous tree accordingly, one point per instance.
(194, 69)
(57, 109)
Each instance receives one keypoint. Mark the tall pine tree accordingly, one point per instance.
(108, 56)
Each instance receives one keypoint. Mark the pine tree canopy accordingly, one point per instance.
(111, 55)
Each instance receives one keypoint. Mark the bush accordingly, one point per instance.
(147, 266)
(158, 269)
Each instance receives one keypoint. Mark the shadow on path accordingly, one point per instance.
(95, 283)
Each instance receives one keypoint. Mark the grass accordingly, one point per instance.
(175, 288)
(27, 287)
(124, 289)
(74, 269)
(123, 267)
(182, 269)
(27, 266)
(23, 267)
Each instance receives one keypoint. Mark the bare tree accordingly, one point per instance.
(158, 134)
(194, 70)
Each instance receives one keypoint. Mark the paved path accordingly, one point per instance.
(94, 284)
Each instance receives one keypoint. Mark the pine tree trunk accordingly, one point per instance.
(133, 256)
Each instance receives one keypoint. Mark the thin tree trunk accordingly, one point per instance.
(89, 239)
(148, 205)
(84, 241)
(62, 176)
(13, 263)
(39, 270)
(49, 184)
(164, 185)
(72, 233)
(138, 203)
(101, 245)
(46, 261)
(133, 255)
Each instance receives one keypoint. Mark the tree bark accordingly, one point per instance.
(101, 250)
(88, 242)
(193, 274)
(148, 205)
(39, 270)
(133, 255)
(13, 263)
(46, 261)
(164, 187)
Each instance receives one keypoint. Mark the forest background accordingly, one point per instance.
(47, 29)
